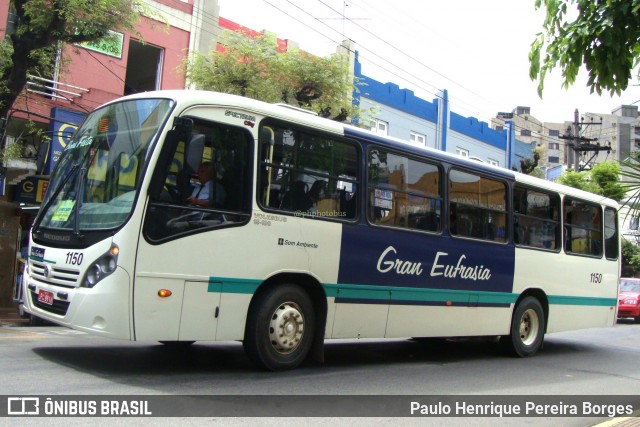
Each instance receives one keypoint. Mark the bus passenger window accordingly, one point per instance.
(536, 218)
(611, 233)
(583, 228)
(309, 175)
(403, 192)
(477, 207)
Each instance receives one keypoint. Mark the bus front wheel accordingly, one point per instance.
(527, 329)
(279, 329)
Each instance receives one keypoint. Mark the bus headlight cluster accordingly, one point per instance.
(101, 268)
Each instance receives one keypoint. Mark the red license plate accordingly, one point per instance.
(45, 297)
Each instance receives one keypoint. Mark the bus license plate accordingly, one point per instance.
(45, 297)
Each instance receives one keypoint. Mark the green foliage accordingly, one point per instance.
(630, 258)
(580, 180)
(530, 166)
(603, 179)
(606, 176)
(252, 67)
(604, 36)
(44, 24)
(630, 171)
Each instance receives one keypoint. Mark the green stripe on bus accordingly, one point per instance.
(40, 259)
(399, 294)
(233, 286)
(417, 295)
(572, 300)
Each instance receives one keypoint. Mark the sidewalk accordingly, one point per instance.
(9, 317)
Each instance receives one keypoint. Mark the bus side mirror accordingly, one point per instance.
(164, 162)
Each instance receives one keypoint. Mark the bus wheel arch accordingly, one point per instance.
(528, 324)
(296, 305)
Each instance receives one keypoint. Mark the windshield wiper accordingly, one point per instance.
(79, 193)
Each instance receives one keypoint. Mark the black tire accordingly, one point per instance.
(636, 319)
(286, 308)
(527, 329)
(36, 321)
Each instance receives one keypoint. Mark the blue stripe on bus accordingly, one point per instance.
(363, 294)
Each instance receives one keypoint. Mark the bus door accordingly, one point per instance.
(200, 192)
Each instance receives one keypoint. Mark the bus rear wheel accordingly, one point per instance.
(279, 329)
(527, 329)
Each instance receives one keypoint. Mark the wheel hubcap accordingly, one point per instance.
(286, 327)
(529, 324)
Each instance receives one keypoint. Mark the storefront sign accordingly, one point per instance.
(31, 190)
(110, 45)
(62, 127)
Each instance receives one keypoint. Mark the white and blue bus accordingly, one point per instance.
(311, 230)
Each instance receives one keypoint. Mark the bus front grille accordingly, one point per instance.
(53, 275)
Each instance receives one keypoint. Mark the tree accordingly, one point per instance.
(603, 179)
(252, 67)
(630, 259)
(606, 176)
(41, 25)
(604, 36)
(530, 166)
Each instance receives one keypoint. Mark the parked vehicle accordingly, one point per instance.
(629, 298)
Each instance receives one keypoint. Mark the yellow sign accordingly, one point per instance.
(63, 210)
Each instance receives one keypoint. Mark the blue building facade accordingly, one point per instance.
(400, 114)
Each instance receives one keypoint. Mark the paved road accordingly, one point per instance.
(54, 361)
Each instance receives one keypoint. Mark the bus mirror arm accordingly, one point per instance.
(162, 166)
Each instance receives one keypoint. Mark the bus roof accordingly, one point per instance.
(188, 98)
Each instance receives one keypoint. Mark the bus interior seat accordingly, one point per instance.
(295, 198)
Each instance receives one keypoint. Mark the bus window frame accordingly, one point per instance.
(409, 156)
(565, 225)
(508, 212)
(604, 228)
(167, 158)
(260, 163)
(560, 221)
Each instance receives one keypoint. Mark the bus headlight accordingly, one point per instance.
(101, 268)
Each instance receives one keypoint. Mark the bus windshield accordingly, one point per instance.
(95, 180)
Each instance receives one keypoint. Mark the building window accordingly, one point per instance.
(144, 67)
(499, 128)
(380, 127)
(554, 159)
(554, 146)
(462, 152)
(525, 132)
(554, 132)
(418, 138)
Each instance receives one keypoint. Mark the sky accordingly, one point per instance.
(475, 49)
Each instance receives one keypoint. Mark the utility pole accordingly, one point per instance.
(580, 144)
